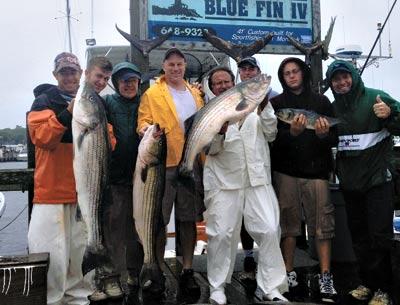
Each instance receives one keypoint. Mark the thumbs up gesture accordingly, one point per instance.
(381, 110)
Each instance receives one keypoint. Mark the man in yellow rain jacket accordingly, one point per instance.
(169, 102)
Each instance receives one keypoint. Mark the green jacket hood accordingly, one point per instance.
(357, 87)
(120, 67)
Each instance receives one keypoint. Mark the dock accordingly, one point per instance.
(307, 268)
(23, 279)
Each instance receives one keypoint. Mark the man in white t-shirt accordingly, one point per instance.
(169, 102)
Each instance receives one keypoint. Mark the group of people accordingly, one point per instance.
(260, 178)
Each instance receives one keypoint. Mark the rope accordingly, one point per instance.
(14, 218)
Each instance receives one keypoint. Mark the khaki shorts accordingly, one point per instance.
(309, 196)
(189, 204)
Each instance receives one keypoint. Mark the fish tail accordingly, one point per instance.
(151, 279)
(93, 259)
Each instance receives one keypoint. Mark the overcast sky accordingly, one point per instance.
(33, 32)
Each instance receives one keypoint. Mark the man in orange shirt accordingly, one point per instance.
(54, 227)
(169, 102)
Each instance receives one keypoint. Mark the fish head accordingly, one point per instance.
(255, 89)
(88, 107)
(153, 145)
(285, 114)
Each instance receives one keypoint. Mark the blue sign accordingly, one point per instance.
(237, 21)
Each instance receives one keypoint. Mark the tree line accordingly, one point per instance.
(10, 136)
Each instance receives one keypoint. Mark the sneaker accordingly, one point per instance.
(380, 298)
(188, 284)
(249, 282)
(292, 279)
(274, 296)
(328, 293)
(113, 289)
(132, 295)
(249, 264)
(217, 296)
(361, 293)
(98, 295)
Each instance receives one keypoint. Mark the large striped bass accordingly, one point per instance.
(148, 191)
(91, 161)
(231, 106)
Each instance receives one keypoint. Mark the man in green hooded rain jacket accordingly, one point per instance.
(121, 237)
(369, 118)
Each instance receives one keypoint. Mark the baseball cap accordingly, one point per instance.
(66, 60)
(339, 66)
(175, 51)
(252, 61)
(128, 73)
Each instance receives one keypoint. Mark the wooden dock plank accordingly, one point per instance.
(23, 279)
(16, 179)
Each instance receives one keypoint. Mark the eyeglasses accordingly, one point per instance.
(222, 82)
(294, 71)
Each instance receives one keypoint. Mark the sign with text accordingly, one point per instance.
(237, 21)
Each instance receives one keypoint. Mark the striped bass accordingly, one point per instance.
(231, 106)
(287, 115)
(91, 160)
(148, 191)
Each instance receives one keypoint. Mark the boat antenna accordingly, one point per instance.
(69, 26)
(390, 41)
(92, 19)
(377, 38)
(68, 16)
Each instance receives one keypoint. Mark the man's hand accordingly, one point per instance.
(298, 124)
(321, 127)
(381, 110)
(70, 107)
(143, 130)
(199, 87)
(224, 128)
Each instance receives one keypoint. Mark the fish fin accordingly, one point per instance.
(242, 105)
(186, 179)
(80, 138)
(206, 149)
(143, 173)
(151, 279)
(182, 173)
(188, 123)
(336, 121)
(93, 259)
(78, 215)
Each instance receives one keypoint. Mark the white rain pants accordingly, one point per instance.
(54, 229)
(259, 207)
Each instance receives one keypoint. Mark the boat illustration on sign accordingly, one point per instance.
(178, 8)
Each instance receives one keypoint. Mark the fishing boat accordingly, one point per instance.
(22, 156)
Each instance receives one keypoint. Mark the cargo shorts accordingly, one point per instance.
(189, 203)
(308, 197)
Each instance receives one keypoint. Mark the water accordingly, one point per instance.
(13, 239)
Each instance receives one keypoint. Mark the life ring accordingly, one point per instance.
(2, 203)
